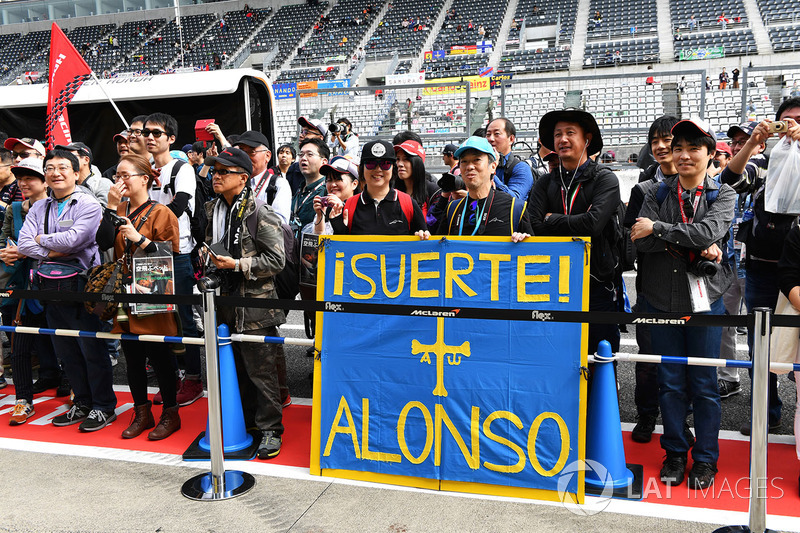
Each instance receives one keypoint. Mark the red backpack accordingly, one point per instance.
(406, 204)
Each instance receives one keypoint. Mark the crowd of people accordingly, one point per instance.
(229, 212)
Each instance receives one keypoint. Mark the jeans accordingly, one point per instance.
(732, 300)
(761, 290)
(645, 394)
(85, 360)
(681, 386)
(184, 282)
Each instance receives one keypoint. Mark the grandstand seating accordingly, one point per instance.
(776, 11)
(220, 39)
(630, 53)
(622, 18)
(24, 48)
(738, 42)
(307, 74)
(542, 59)
(785, 38)
(537, 13)
(723, 107)
(403, 67)
(455, 65)
(455, 30)
(286, 29)
(707, 12)
(338, 37)
(130, 36)
(391, 37)
(525, 109)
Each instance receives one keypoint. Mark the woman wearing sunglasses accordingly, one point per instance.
(380, 209)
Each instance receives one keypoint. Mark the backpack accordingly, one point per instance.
(517, 210)
(764, 234)
(406, 204)
(198, 218)
(272, 187)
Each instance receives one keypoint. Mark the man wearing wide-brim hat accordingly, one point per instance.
(579, 198)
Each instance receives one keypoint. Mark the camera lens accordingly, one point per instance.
(209, 283)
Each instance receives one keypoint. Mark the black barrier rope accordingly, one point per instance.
(594, 317)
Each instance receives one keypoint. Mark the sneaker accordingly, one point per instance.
(643, 431)
(97, 419)
(728, 388)
(773, 427)
(673, 469)
(270, 445)
(77, 413)
(191, 390)
(22, 412)
(701, 476)
(287, 401)
(158, 399)
(741, 330)
(42, 385)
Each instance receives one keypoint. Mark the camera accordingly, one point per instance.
(778, 127)
(324, 202)
(704, 267)
(450, 183)
(334, 128)
(224, 280)
(117, 220)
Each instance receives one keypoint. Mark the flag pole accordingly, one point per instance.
(102, 88)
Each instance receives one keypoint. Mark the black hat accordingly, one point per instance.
(232, 157)
(253, 139)
(548, 125)
(79, 147)
(450, 149)
(378, 150)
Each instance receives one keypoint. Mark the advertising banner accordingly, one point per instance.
(694, 54)
(476, 84)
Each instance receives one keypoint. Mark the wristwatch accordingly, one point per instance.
(141, 241)
(236, 266)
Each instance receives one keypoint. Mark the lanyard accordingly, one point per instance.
(694, 204)
(479, 217)
(571, 202)
(297, 205)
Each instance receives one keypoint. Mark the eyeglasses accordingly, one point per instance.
(24, 155)
(385, 164)
(225, 171)
(307, 155)
(49, 169)
(134, 132)
(155, 133)
(305, 131)
(126, 176)
(738, 143)
(252, 152)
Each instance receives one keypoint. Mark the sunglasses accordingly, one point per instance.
(385, 164)
(225, 171)
(155, 133)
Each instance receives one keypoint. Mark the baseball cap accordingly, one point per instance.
(586, 120)
(724, 147)
(28, 142)
(186, 148)
(378, 150)
(450, 149)
(745, 127)
(476, 143)
(411, 148)
(28, 166)
(122, 136)
(694, 125)
(314, 124)
(232, 157)
(79, 147)
(341, 164)
(253, 139)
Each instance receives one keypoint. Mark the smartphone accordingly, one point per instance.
(778, 127)
(209, 251)
(10, 242)
(200, 133)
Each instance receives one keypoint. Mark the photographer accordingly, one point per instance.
(343, 140)
(248, 254)
(682, 229)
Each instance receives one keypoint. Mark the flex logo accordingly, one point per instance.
(334, 307)
(440, 349)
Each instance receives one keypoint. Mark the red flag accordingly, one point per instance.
(68, 71)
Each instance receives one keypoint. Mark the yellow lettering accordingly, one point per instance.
(534, 432)
(338, 274)
(473, 457)
(451, 274)
(523, 278)
(401, 277)
(495, 259)
(417, 276)
(487, 430)
(563, 279)
(359, 275)
(349, 429)
(366, 453)
(401, 432)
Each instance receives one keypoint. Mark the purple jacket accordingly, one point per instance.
(72, 233)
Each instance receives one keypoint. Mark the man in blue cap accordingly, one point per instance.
(486, 211)
(682, 229)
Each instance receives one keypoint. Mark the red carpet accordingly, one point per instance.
(730, 491)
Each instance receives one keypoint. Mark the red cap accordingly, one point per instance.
(411, 148)
(723, 147)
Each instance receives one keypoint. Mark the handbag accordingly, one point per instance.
(784, 342)
(59, 276)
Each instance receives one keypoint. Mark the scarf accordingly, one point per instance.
(228, 221)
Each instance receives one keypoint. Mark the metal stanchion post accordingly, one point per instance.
(758, 432)
(217, 484)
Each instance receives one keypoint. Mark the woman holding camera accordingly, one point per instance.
(343, 140)
(139, 223)
(341, 183)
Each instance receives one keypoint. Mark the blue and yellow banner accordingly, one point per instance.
(435, 401)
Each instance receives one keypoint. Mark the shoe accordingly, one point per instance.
(77, 413)
(741, 330)
(701, 476)
(643, 431)
(270, 445)
(287, 401)
(142, 420)
(673, 469)
(728, 388)
(64, 388)
(42, 385)
(158, 399)
(773, 427)
(191, 390)
(169, 423)
(687, 431)
(22, 412)
(97, 419)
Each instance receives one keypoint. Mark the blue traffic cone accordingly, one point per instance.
(604, 431)
(237, 442)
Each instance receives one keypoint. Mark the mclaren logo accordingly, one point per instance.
(662, 321)
(446, 314)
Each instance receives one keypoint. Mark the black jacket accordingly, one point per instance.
(591, 214)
